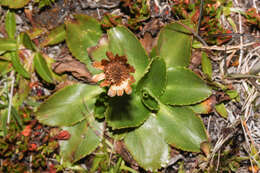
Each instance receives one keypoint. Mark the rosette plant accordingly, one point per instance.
(143, 101)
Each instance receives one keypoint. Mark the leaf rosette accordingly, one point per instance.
(151, 115)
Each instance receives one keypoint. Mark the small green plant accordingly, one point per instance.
(14, 4)
(21, 3)
(252, 17)
(142, 100)
(211, 13)
(20, 56)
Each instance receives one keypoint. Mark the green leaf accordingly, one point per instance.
(149, 101)
(221, 110)
(10, 24)
(174, 44)
(14, 3)
(16, 116)
(206, 65)
(100, 106)
(84, 139)
(26, 41)
(181, 127)
(147, 146)
(23, 91)
(233, 94)
(18, 66)
(41, 68)
(126, 111)
(3, 121)
(4, 66)
(155, 78)
(98, 52)
(153, 84)
(184, 87)
(55, 36)
(7, 44)
(204, 107)
(82, 34)
(123, 42)
(36, 32)
(68, 105)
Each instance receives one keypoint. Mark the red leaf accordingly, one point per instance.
(51, 168)
(63, 135)
(32, 147)
(27, 130)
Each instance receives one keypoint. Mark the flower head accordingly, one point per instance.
(116, 74)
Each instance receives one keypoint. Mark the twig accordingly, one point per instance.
(10, 98)
(242, 76)
(200, 16)
(241, 42)
(255, 6)
(30, 164)
(221, 140)
(226, 48)
(194, 33)
(247, 141)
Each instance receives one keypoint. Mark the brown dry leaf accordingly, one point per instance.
(153, 27)
(148, 42)
(76, 68)
(221, 96)
(195, 59)
(205, 148)
(63, 84)
(210, 103)
(122, 151)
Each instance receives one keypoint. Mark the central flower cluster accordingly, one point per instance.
(116, 74)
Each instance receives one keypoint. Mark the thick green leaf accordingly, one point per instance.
(155, 78)
(82, 34)
(206, 65)
(204, 107)
(14, 3)
(181, 127)
(149, 100)
(98, 52)
(123, 42)
(174, 45)
(69, 105)
(147, 145)
(84, 139)
(100, 106)
(126, 111)
(55, 36)
(41, 67)
(7, 44)
(18, 66)
(184, 87)
(10, 24)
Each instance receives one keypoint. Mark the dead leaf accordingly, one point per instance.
(122, 151)
(76, 68)
(148, 42)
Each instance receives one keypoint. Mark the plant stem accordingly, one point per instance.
(242, 76)
(10, 98)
